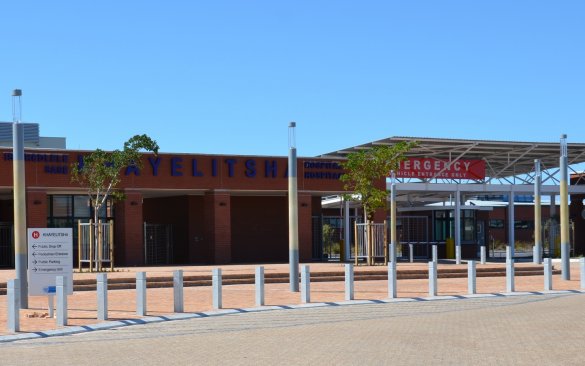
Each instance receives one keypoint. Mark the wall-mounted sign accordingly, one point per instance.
(49, 255)
(425, 168)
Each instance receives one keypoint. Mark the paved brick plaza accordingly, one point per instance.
(121, 303)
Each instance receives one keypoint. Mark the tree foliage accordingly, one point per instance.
(100, 171)
(366, 167)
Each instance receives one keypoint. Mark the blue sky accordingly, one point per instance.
(227, 76)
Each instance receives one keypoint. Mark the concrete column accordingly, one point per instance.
(259, 285)
(537, 252)
(61, 282)
(471, 277)
(305, 284)
(392, 280)
(141, 293)
(482, 250)
(509, 270)
(346, 232)
(547, 274)
(432, 279)
(511, 220)
(458, 226)
(216, 284)
(564, 188)
(13, 295)
(349, 294)
(178, 291)
(102, 296)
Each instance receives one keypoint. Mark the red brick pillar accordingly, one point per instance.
(218, 228)
(36, 208)
(305, 227)
(129, 231)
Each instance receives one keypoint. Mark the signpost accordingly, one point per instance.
(49, 255)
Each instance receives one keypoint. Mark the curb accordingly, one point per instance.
(184, 316)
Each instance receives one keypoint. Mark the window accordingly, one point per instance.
(496, 224)
(523, 224)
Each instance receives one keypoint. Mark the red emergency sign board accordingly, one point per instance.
(425, 168)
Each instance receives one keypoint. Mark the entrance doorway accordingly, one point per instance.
(6, 244)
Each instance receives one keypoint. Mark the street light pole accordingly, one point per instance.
(293, 211)
(20, 244)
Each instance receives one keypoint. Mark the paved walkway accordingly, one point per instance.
(122, 303)
(510, 330)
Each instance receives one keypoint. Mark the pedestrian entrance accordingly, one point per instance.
(158, 239)
(6, 244)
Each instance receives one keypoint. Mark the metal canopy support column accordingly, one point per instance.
(565, 260)
(293, 212)
(537, 253)
(511, 220)
(347, 232)
(458, 226)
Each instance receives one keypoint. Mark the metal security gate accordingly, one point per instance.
(96, 254)
(158, 240)
(6, 245)
(413, 233)
(370, 242)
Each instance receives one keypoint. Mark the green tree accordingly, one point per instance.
(366, 167)
(100, 171)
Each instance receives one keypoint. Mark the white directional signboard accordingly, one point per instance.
(50, 254)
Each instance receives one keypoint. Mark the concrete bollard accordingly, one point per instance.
(102, 296)
(582, 268)
(435, 254)
(411, 252)
(432, 279)
(509, 270)
(471, 278)
(547, 274)
(13, 295)
(349, 282)
(141, 293)
(178, 298)
(457, 254)
(482, 254)
(259, 284)
(305, 284)
(216, 284)
(392, 280)
(61, 282)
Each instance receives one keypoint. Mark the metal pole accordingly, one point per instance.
(411, 252)
(178, 291)
(349, 282)
(216, 284)
(511, 220)
(482, 254)
(537, 253)
(347, 233)
(102, 296)
(458, 226)
(565, 246)
(19, 183)
(393, 218)
(435, 253)
(305, 284)
(293, 211)
(259, 284)
(13, 292)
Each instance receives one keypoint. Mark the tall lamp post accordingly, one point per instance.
(20, 245)
(565, 248)
(293, 211)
